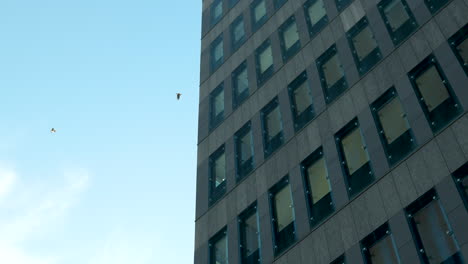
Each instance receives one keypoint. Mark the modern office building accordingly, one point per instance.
(333, 131)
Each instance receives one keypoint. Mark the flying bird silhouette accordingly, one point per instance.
(178, 95)
(53, 130)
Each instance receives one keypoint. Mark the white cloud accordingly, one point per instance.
(31, 208)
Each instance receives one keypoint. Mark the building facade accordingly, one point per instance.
(333, 131)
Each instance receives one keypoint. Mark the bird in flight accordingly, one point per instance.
(178, 95)
(53, 130)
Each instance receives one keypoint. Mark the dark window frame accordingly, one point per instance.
(364, 171)
(435, 5)
(269, 147)
(339, 260)
(373, 238)
(449, 109)
(215, 121)
(257, 24)
(266, 75)
(373, 57)
(287, 54)
(405, 30)
(236, 45)
(406, 143)
(216, 193)
(256, 256)
(238, 99)
(333, 92)
(326, 206)
(455, 40)
(289, 238)
(317, 27)
(342, 4)
(458, 176)
(279, 3)
(412, 209)
(214, 65)
(213, 240)
(213, 20)
(244, 169)
(232, 3)
(300, 120)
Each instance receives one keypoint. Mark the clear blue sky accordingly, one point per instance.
(116, 183)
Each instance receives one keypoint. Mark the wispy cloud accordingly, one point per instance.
(29, 208)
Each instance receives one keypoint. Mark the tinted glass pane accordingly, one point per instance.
(316, 11)
(364, 43)
(220, 251)
(259, 11)
(463, 50)
(241, 82)
(464, 184)
(238, 31)
(290, 35)
(432, 88)
(434, 230)
(218, 51)
(318, 180)
(273, 123)
(354, 151)
(266, 59)
(396, 14)
(332, 70)
(218, 103)
(283, 205)
(384, 252)
(250, 234)
(393, 120)
(218, 9)
(246, 145)
(302, 98)
(219, 166)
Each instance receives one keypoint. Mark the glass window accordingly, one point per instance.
(259, 13)
(366, 52)
(301, 101)
(217, 175)
(272, 127)
(435, 93)
(219, 248)
(394, 129)
(332, 75)
(435, 5)
(461, 180)
(283, 216)
(379, 247)
(342, 4)
(289, 38)
(237, 32)
(249, 236)
(217, 106)
(339, 260)
(217, 53)
(398, 18)
(432, 233)
(354, 158)
(216, 11)
(316, 16)
(264, 57)
(318, 188)
(240, 83)
(244, 151)
(459, 44)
